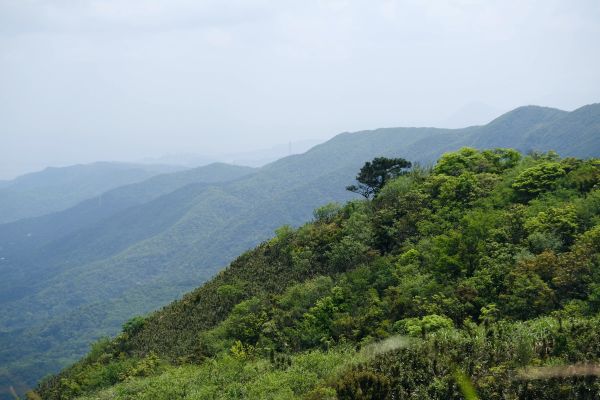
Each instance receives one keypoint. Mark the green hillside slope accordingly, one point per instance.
(76, 287)
(516, 126)
(478, 275)
(55, 189)
(34, 233)
(89, 231)
(576, 133)
(100, 226)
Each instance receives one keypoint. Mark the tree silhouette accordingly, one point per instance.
(374, 175)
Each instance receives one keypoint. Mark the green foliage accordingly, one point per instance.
(133, 325)
(526, 294)
(540, 178)
(147, 366)
(422, 326)
(245, 321)
(471, 160)
(490, 360)
(363, 385)
(480, 281)
(229, 377)
(558, 221)
(327, 212)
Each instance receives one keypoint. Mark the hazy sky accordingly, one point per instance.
(87, 80)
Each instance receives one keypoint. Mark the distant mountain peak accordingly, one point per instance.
(528, 114)
(594, 107)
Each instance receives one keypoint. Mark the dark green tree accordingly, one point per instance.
(357, 385)
(376, 173)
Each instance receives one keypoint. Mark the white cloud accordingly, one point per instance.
(100, 15)
(78, 77)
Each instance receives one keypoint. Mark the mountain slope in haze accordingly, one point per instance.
(576, 133)
(55, 189)
(482, 269)
(62, 240)
(252, 158)
(119, 266)
(44, 231)
(516, 127)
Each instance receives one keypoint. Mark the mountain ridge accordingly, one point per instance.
(208, 235)
(58, 188)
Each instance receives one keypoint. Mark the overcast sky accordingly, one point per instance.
(87, 80)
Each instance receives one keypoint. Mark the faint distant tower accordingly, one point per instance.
(290, 148)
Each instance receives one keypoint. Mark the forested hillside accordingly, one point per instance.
(478, 277)
(55, 189)
(37, 250)
(78, 274)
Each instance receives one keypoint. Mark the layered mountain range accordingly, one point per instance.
(79, 271)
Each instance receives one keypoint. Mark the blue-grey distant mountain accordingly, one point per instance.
(55, 189)
(76, 236)
(252, 158)
(105, 266)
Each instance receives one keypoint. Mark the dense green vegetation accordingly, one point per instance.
(79, 274)
(481, 273)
